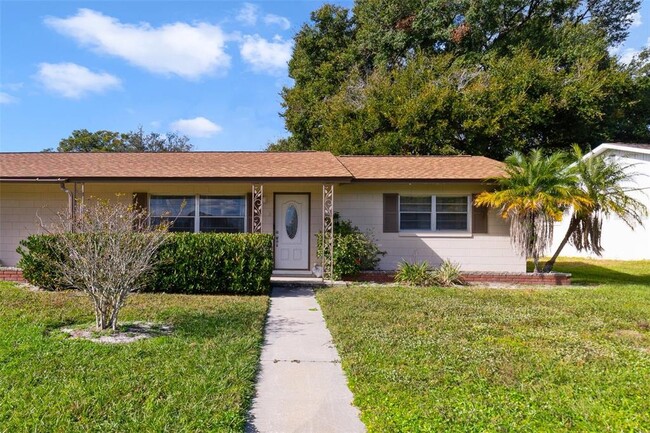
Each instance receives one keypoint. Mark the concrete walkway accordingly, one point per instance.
(301, 386)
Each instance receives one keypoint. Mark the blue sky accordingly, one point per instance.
(212, 70)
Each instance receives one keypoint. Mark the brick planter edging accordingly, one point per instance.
(549, 279)
(12, 274)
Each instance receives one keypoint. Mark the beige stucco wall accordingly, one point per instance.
(361, 203)
(21, 205)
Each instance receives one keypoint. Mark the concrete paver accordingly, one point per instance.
(301, 387)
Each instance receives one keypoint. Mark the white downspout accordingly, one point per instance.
(70, 204)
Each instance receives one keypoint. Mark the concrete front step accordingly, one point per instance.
(302, 281)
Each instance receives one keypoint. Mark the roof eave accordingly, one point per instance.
(340, 179)
(384, 180)
(615, 146)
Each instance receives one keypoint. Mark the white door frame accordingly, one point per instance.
(276, 229)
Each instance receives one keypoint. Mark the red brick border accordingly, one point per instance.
(548, 279)
(12, 274)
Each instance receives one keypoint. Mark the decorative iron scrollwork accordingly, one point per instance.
(328, 232)
(258, 203)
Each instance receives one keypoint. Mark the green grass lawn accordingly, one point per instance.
(594, 272)
(201, 378)
(500, 360)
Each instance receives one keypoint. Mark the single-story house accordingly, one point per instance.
(417, 208)
(619, 241)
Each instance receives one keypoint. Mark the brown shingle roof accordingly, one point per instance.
(422, 168)
(245, 166)
(190, 165)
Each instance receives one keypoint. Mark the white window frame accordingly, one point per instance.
(433, 229)
(197, 206)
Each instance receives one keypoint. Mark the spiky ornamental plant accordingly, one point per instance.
(606, 182)
(533, 195)
(105, 250)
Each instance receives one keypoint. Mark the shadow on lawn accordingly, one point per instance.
(594, 274)
(212, 324)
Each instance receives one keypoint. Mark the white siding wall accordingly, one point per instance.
(363, 205)
(619, 241)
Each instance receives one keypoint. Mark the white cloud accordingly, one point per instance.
(625, 55)
(636, 19)
(186, 50)
(6, 98)
(266, 56)
(283, 22)
(248, 14)
(197, 127)
(74, 81)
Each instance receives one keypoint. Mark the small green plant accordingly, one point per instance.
(448, 274)
(414, 274)
(354, 251)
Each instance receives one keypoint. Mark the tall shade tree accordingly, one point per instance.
(82, 140)
(321, 61)
(533, 195)
(608, 184)
(473, 77)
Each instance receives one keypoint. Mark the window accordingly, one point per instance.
(222, 214)
(451, 213)
(434, 213)
(179, 210)
(200, 213)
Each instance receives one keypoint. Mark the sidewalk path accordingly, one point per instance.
(301, 387)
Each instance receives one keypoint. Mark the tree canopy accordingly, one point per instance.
(82, 140)
(485, 78)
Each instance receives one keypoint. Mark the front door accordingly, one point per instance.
(292, 231)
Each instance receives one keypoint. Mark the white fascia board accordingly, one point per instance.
(615, 146)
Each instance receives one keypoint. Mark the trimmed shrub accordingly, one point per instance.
(354, 251)
(35, 253)
(192, 263)
(214, 263)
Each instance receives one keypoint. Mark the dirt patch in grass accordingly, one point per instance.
(127, 333)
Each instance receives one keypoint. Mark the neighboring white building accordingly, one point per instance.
(618, 240)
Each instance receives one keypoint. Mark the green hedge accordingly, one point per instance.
(208, 263)
(36, 252)
(214, 263)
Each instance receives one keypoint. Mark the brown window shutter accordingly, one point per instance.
(140, 201)
(479, 217)
(249, 212)
(391, 214)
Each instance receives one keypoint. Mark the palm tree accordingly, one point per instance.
(602, 180)
(533, 195)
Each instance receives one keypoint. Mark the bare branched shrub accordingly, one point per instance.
(106, 249)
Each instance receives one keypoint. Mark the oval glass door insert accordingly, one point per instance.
(291, 221)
